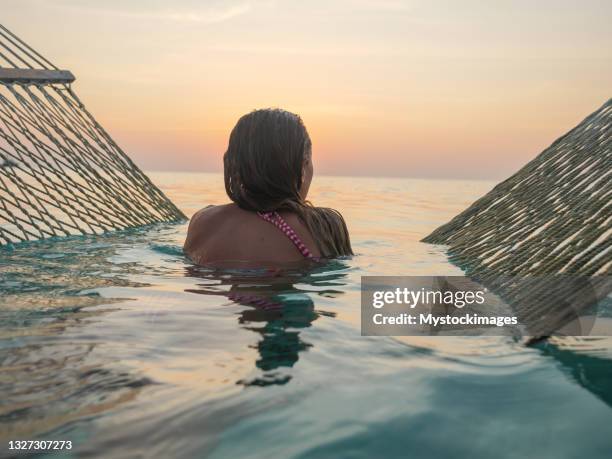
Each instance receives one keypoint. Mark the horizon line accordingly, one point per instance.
(479, 179)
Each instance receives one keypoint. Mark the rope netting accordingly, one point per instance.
(551, 220)
(60, 172)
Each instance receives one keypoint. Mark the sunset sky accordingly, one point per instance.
(469, 89)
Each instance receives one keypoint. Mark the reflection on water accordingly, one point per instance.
(276, 308)
(121, 345)
(585, 360)
(47, 381)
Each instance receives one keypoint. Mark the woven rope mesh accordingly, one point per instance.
(60, 172)
(553, 220)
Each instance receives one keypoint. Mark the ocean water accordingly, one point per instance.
(120, 345)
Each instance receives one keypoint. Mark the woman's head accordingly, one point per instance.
(268, 162)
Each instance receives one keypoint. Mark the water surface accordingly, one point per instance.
(119, 344)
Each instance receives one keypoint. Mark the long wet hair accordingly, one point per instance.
(263, 168)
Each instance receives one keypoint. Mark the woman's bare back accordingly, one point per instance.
(227, 233)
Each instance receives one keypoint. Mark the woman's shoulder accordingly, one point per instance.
(212, 212)
(202, 219)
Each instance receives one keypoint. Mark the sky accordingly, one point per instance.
(432, 89)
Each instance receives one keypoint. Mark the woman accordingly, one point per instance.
(268, 169)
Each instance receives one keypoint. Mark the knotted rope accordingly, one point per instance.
(549, 222)
(60, 172)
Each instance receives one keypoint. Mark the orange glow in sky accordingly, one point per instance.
(411, 88)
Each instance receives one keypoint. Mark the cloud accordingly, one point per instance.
(185, 11)
(211, 16)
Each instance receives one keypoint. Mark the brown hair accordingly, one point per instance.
(263, 168)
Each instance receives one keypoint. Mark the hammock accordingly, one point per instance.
(543, 237)
(60, 172)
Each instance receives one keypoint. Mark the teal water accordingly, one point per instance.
(120, 345)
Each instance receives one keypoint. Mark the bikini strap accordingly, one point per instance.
(281, 224)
